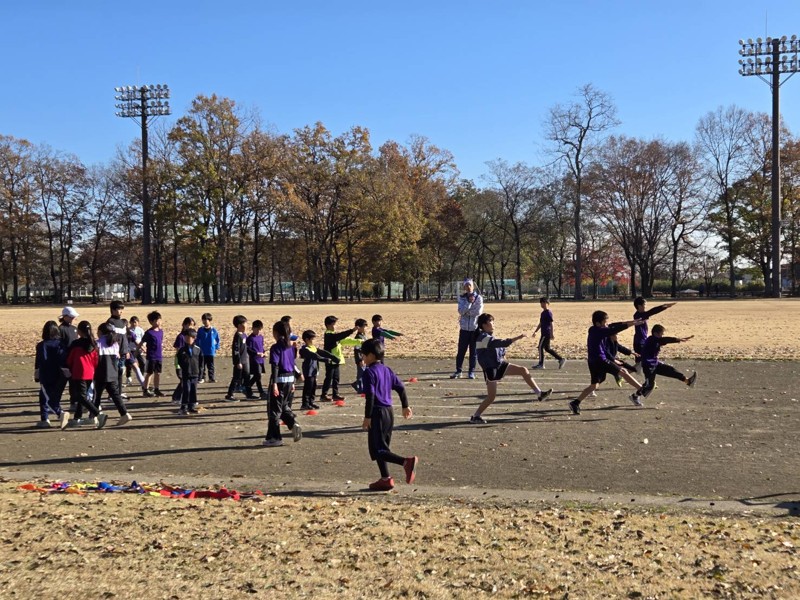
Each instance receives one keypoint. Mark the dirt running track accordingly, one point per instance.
(731, 438)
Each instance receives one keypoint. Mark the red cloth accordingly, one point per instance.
(81, 363)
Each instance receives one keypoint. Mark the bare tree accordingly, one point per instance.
(576, 131)
(721, 137)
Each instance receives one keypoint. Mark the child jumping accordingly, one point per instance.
(652, 366)
(548, 335)
(492, 359)
(600, 364)
(281, 380)
(379, 381)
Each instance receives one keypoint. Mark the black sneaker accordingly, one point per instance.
(636, 399)
(148, 394)
(545, 394)
(692, 379)
(159, 393)
(315, 406)
(101, 420)
(305, 406)
(575, 407)
(477, 420)
(194, 409)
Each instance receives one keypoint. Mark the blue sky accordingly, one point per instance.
(475, 77)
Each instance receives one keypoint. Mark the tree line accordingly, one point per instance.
(243, 213)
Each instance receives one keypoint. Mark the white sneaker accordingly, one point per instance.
(297, 432)
(64, 420)
(129, 381)
(272, 443)
(126, 418)
(593, 395)
(201, 381)
(636, 399)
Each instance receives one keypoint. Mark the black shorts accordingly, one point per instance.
(153, 366)
(380, 431)
(599, 370)
(495, 374)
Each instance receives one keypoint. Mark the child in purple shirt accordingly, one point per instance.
(600, 362)
(153, 341)
(255, 351)
(378, 382)
(281, 383)
(652, 366)
(548, 335)
(640, 332)
(379, 333)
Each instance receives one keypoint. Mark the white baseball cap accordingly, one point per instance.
(69, 312)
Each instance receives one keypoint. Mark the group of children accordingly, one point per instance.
(92, 365)
(602, 355)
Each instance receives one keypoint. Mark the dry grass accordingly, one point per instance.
(723, 329)
(105, 546)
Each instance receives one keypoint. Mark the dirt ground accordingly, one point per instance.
(694, 495)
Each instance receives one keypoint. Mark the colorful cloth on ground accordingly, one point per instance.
(161, 489)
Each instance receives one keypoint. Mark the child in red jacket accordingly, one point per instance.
(82, 361)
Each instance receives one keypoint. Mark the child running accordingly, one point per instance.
(282, 369)
(492, 359)
(311, 356)
(379, 381)
(548, 335)
(82, 362)
(47, 372)
(652, 366)
(600, 364)
(153, 341)
(640, 332)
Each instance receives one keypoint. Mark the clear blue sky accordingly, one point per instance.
(474, 76)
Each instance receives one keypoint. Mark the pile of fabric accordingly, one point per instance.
(161, 489)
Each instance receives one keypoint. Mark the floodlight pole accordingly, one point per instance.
(143, 102)
(776, 170)
(781, 57)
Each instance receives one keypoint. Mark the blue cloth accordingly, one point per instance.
(208, 340)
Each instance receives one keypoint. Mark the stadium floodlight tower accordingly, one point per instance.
(141, 103)
(772, 57)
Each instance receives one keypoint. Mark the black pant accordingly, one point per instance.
(237, 378)
(113, 392)
(544, 346)
(331, 379)
(78, 388)
(207, 362)
(660, 369)
(279, 409)
(188, 392)
(466, 341)
(256, 369)
(309, 390)
(380, 436)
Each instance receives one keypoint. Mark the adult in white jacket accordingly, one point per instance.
(470, 306)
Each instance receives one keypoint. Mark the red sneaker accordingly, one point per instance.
(410, 467)
(382, 485)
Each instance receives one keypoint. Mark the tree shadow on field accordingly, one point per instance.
(792, 506)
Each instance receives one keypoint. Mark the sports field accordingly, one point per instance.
(694, 495)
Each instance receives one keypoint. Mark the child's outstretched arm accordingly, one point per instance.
(657, 309)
